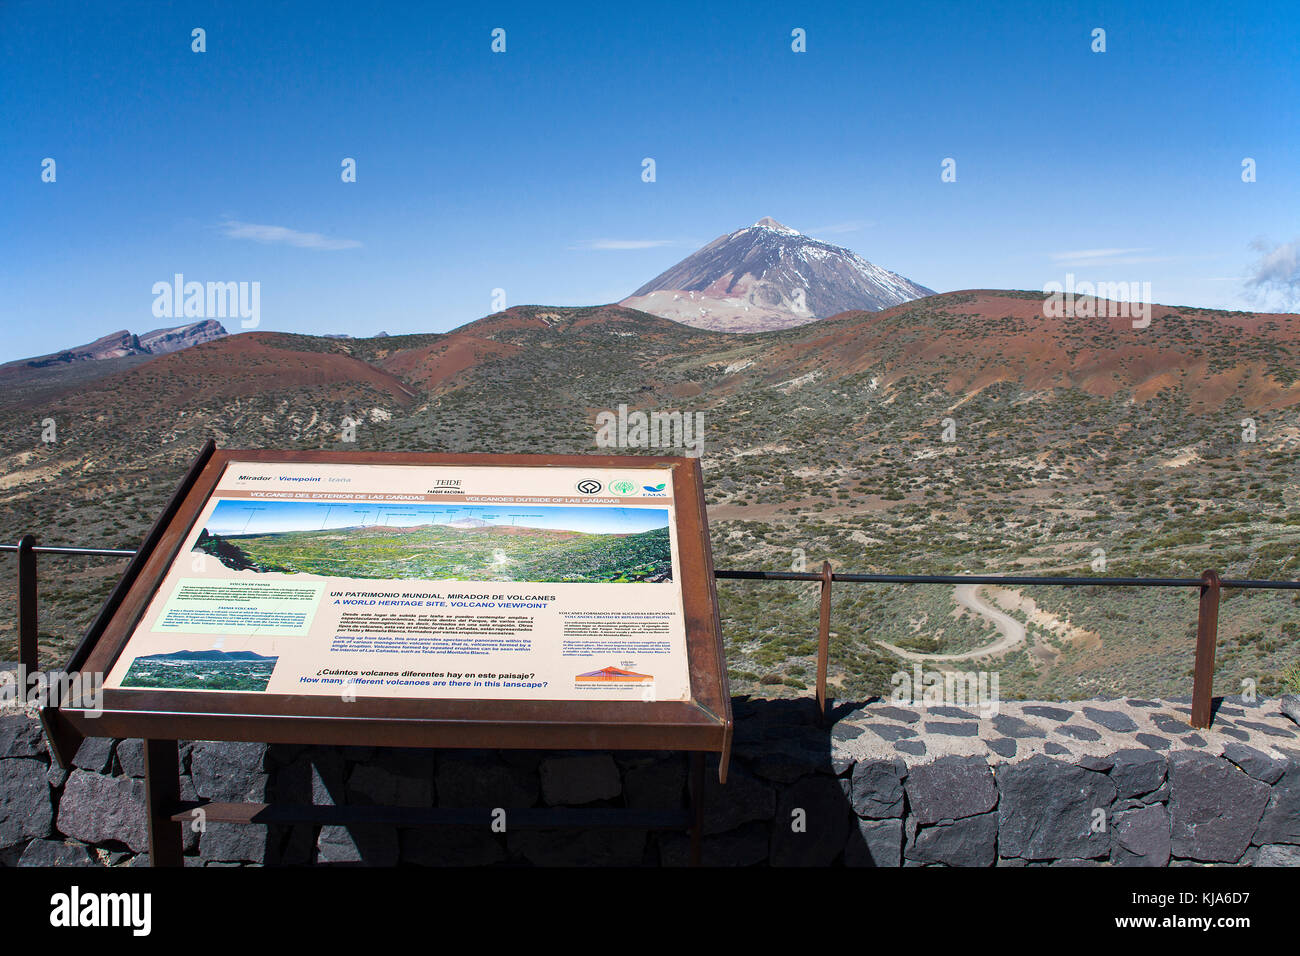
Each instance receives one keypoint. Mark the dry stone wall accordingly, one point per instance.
(1120, 783)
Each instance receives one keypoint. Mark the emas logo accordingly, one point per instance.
(655, 491)
(613, 675)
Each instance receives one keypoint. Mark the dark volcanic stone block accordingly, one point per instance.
(95, 753)
(360, 845)
(891, 731)
(26, 809)
(1052, 713)
(130, 757)
(1255, 762)
(875, 843)
(20, 736)
(1137, 772)
(95, 809)
(480, 780)
(895, 713)
(229, 771)
(1170, 725)
(657, 786)
(233, 843)
(395, 779)
(1141, 836)
(970, 841)
(1078, 732)
(955, 713)
(1215, 808)
(1010, 726)
(314, 776)
(1047, 810)
(742, 799)
(812, 823)
(1003, 747)
(586, 778)
(1277, 855)
(1281, 820)
(950, 788)
(1267, 729)
(1099, 764)
(1110, 719)
(56, 853)
(877, 788)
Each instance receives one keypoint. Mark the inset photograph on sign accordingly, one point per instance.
(539, 544)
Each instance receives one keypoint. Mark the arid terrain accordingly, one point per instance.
(959, 432)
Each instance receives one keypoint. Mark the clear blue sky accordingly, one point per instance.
(264, 517)
(522, 170)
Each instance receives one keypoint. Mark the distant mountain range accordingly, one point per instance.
(123, 343)
(213, 655)
(763, 277)
(769, 276)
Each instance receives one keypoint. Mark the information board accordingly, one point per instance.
(437, 581)
(426, 600)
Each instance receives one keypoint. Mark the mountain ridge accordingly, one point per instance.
(769, 276)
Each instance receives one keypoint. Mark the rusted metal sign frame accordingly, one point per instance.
(702, 724)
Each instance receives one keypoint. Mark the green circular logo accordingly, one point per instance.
(622, 487)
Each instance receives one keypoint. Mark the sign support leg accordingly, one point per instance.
(697, 807)
(162, 786)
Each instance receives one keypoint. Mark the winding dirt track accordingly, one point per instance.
(1011, 632)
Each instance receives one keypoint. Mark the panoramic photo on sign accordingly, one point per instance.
(422, 581)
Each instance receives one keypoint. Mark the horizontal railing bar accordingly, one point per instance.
(99, 552)
(867, 578)
(854, 578)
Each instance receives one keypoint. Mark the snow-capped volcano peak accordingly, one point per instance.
(769, 276)
(767, 222)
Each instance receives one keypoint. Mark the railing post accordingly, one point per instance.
(824, 642)
(1207, 638)
(28, 655)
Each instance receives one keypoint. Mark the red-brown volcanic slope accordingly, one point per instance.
(966, 341)
(239, 366)
(438, 367)
(541, 318)
(994, 337)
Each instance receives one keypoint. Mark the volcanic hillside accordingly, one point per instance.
(959, 431)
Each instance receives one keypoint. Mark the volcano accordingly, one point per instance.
(769, 276)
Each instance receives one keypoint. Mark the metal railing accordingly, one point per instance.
(1210, 586)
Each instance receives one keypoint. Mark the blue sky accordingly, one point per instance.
(522, 170)
(261, 517)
